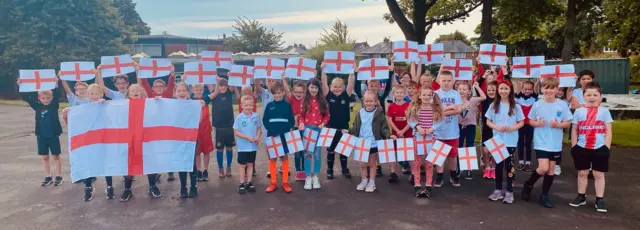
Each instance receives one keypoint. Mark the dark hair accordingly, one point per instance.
(586, 72)
(512, 99)
(322, 101)
(277, 86)
(592, 85)
(223, 82)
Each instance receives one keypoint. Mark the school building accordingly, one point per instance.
(161, 46)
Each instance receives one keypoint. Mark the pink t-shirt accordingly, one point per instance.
(469, 115)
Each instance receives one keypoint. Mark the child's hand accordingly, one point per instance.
(476, 84)
(321, 125)
(344, 131)
(400, 133)
(554, 124)
(429, 131)
(301, 126)
(101, 100)
(99, 67)
(393, 137)
(421, 131)
(202, 103)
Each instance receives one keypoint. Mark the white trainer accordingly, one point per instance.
(370, 187)
(362, 185)
(316, 182)
(307, 183)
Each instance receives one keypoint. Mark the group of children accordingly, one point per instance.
(443, 110)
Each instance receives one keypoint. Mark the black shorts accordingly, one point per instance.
(596, 159)
(48, 145)
(552, 156)
(487, 133)
(246, 157)
(225, 137)
(373, 151)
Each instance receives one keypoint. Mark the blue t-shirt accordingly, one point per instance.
(75, 100)
(547, 138)
(247, 125)
(115, 95)
(577, 93)
(502, 118)
(449, 130)
(366, 126)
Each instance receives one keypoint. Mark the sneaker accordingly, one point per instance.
(316, 182)
(250, 187)
(411, 182)
(58, 181)
(379, 172)
(418, 191)
(362, 185)
(600, 206)
(307, 183)
(330, 175)
(155, 191)
(455, 181)
(521, 167)
(184, 193)
(557, 170)
(228, 174)
(393, 177)
(110, 194)
(546, 202)
(439, 181)
(171, 177)
(48, 181)
(300, 175)
(126, 195)
(242, 189)
(508, 198)
(88, 193)
(346, 173)
(371, 186)
(526, 192)
(496, 195)
(527, 168)
(468, 175)
(221, 173)
(428, 191)
(205, 175)
(578, 201)
(268, 174)
(286, 187)
(198, 175)
(271, 188)
(193, 192)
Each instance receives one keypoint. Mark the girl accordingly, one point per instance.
(425, 115)
(370, 124)
(297, 95)
(397, 119)
(425, 79)
(205, 140)
(136, 91)
(577, 100)
(489, 165)
(314, 115)
(95, 94)
(505, 118)
(469, 116)
(526, 96)
(181, 92)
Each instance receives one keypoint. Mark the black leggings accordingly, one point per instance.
(507, 166)
(331, 158)
(87, 182)
(525, 137)
(192, 176)
(128, 180)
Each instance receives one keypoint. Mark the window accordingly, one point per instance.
(151, 50)
(608, 50)
(196, 49)
(459, 55)
(447, 55)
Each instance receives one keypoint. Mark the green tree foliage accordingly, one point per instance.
(620, 29)
(457, 35)
(130, 17)
(252, 37)
(336, 39)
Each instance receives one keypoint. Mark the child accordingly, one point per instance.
(265, 97)
(296, 98)
(45, 103)
(205, 141)
(181, 92)
(247, 128)
(591, 140)
(248, 90)
(338, 99)
(370, 124)
(525, 97)
(222, 117)
(79, 96)
(449, 132)
(584, 77)
(425, 79)
(397, 119)
(469, 116)
(548, 117)
(121, 82)
(159, 86)
(136, 91)
(314, 115)
(278, 119)
(425, 116)
(412, 91)
(489, 165)
(565, 94)
(505, 118)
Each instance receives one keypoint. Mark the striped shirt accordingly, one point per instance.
(425, 118)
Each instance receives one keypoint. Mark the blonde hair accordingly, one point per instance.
(337, 79)
(95, 87)
(399, 87)
(81, 83)
(550, 83)
(159, 81)
(180, 84)
(45, 93)
(436, 106)
(119, 77)
(375, 97)
(246, 98)
(197, 86)
(137, 86)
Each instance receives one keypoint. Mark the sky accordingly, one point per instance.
(301, 21)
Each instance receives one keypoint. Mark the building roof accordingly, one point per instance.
(360, 46)
(380, 48)
(169, 37)
(449, 47)
(295, 50)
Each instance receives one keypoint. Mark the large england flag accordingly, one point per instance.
(132, 137)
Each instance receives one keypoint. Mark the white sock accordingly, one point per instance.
(365, 180)
(521, 162)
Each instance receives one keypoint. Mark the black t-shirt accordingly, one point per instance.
(222, 110)
(485, 106)
(339, 110)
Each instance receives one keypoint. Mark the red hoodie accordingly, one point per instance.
(168, 92)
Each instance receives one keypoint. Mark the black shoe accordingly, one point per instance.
(546, 202)
(526, 192)
(93, 179)
(600, 205)
(193, 192)
(411, 182)
(184, 193)
(170, 177)
(379, 171)
(468, 175)
(439, 181)
(110, 194)
(578, 201)
(242, 189)
(346, 173)
(455, 181)
(155, 191)
(418, 191)
(428, 191)
(520, 167)
(254, 173)
(205, 175)
(158, 177)
(88, 193)
(126, 195)
(393, 178)
(406, 171)
(330, 175)
(198, 175)
(48, 181)
(250, 187)
(58, 181)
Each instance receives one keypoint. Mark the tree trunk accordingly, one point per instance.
(401, 20)
(569, 32)
(419, 22)
(486, 35)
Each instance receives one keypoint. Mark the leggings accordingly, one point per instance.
(87, 182)
(507, 166)
(415, 170)
(467, 136)
(192, 176)
(525, 137)
(128, 180)
(317, 160)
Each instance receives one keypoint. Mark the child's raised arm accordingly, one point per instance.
(100, 80)
(325, 82)
(351, 84)
(215, 93)
(65, 86)
(481, 95)
(285, 82)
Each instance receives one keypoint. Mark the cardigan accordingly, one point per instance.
(380, 128)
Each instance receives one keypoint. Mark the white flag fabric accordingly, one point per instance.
(37, 80)
(223, 60)
(462, 69)
(196, 73)
(268, 68)
(310, 139)
(326, 137)
(117, 65)
(346, 144)
(340, 62)
(468, 158)
(132, 137)
(564, 73)
(373, 69)
(274, 147)
(493, 54)
(294, 141)
(300, 68)
(431, 53)
(405, 149)
(386, 151)
(362, 150)
(153, 67)
(424, 143)
(497, 149)
(240, 75)
(405, 51)
(77, 71)
(527, 67)
(438, 153)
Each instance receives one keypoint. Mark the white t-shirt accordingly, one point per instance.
(502, 118)
(547, 138)
(591, 122)
(75, 100)
(578, 94)
(366, 126)
(449, 130)
(115, 95)
(247, 125)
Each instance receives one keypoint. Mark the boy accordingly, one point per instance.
(247, 127)
(548, 117)
(591, 140)
(525, 97)
(79, 97)
(48, 129)
(449, 132)
(278, 119)
(159, 86)
(397, 120)
(205, 141)
(121, 82)
(412, 91)
(338, 100)
(222, 117)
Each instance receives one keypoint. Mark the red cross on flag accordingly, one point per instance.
(405, 149)
(497, 149)
(361, 150)
(591, 129)
(274, 147)
(196, 73)
(462, 69)
(564, 73)
(386, 151)
(223, 60)
(438, 153)
(468, 158)
(268, 68)
(36, 80)
(346, 145)
(493, 54)
(153, 67)
(424, 143)
(117, 65)
(405, 51)
(341, 62)
(294, 141)
(326, 137)
(527, 67)
(373, 69)
(300, 68)
(431, 53)
(77, 71)
(240, 75)
(127, 137)
(310, 139)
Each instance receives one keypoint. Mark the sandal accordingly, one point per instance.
(228, 172)
(221, 173)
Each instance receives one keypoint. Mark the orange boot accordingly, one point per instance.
(272, 169)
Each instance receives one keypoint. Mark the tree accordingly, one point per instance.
(570, 30)
(455, 36)
(252, 37)
(130, 17)
(486, 35)
(620, 28)
(339, 34)
(416, 17)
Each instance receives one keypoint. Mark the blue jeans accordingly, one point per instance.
(316, 156)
